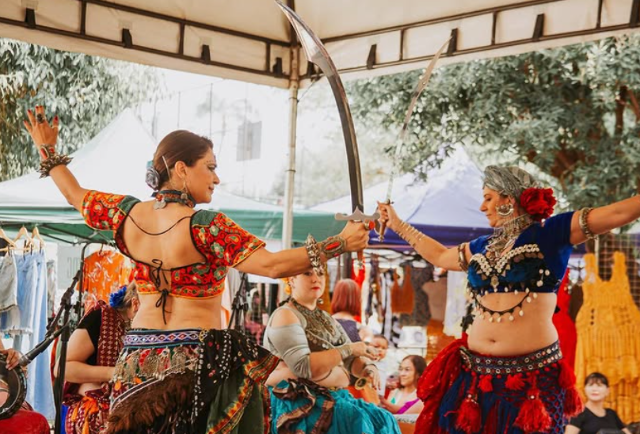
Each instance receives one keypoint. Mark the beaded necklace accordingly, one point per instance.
(163, 197)
(505, 236)
(321, 329)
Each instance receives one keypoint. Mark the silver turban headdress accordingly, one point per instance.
(509, 180)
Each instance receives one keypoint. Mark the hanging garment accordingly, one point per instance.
(402, 295)
(32, 302)
(8, 283)
(9, 311)
(456, 305)
(39, 387)
(421, 313)
(437, 292)
(391, 328)
(52, 285)
(567, 334)
(608, 338)
(104, 272)
(27, 279)
(374, 299)
(358, 274)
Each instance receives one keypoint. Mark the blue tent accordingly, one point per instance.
(446, 207)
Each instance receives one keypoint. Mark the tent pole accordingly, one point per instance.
(287, 220)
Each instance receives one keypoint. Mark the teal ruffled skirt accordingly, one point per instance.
(301, 406)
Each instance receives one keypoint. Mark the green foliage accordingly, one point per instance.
(85, 92)
(572, 111)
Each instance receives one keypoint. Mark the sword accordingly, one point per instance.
(317, 54)
(420, 86)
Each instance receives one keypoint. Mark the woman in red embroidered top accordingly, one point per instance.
(509, 376)
(179, 372)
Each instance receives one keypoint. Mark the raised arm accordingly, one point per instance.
(601, 220)
(431, 250)
(45, 137)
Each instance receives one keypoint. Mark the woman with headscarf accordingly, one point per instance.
(508, 375)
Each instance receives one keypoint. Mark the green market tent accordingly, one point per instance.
(115, 161)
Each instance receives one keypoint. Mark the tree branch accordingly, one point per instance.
(620, 106)
(634, 104)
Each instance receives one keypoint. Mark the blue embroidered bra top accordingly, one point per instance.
(536, 263)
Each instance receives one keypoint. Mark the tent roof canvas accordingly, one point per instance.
(250, 40)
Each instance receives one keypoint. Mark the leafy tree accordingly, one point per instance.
(573, 112)
(85, 92)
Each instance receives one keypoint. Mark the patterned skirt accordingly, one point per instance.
(190, 381)
(469, 393)
(88, 413)
(303, 407)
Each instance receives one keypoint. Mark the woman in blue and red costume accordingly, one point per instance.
(179, 371)
(507, 375)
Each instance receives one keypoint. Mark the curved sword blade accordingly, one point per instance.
(420, 87)
(317, 54)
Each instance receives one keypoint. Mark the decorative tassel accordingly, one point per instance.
(469, 417)
(572, 402)
(485, 384)
(434, 383)
(533, 416)
(515, 382)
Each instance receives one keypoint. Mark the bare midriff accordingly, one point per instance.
(337, 378)
(525, 334)
(180, 313)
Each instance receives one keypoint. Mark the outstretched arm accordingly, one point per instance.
(45, 137)
(431, 250)
(291, 262)
(603, 219)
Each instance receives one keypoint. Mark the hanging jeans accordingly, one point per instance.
(9, 312)
(32, 290)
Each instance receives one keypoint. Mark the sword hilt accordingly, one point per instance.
(382, 228)
(358, 216)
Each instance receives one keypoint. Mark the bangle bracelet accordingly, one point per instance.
(407, 232)
(313, 252)
(462, 259)
(51, 162)
(345, 351)
(584, 223)
(332, 246)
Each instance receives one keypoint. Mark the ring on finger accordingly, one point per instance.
(40, 118)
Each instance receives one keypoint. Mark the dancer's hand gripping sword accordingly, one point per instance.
(316, 53)
(420, 86)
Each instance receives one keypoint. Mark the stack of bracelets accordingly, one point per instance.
(329, 248)
(51, 159)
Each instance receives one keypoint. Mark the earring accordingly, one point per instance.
(185, 192)
(505, 210)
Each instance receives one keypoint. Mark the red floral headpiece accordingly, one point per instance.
(538, 202)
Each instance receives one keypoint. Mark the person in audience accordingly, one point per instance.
(596, 418)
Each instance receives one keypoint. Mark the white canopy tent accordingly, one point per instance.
(251, 40)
